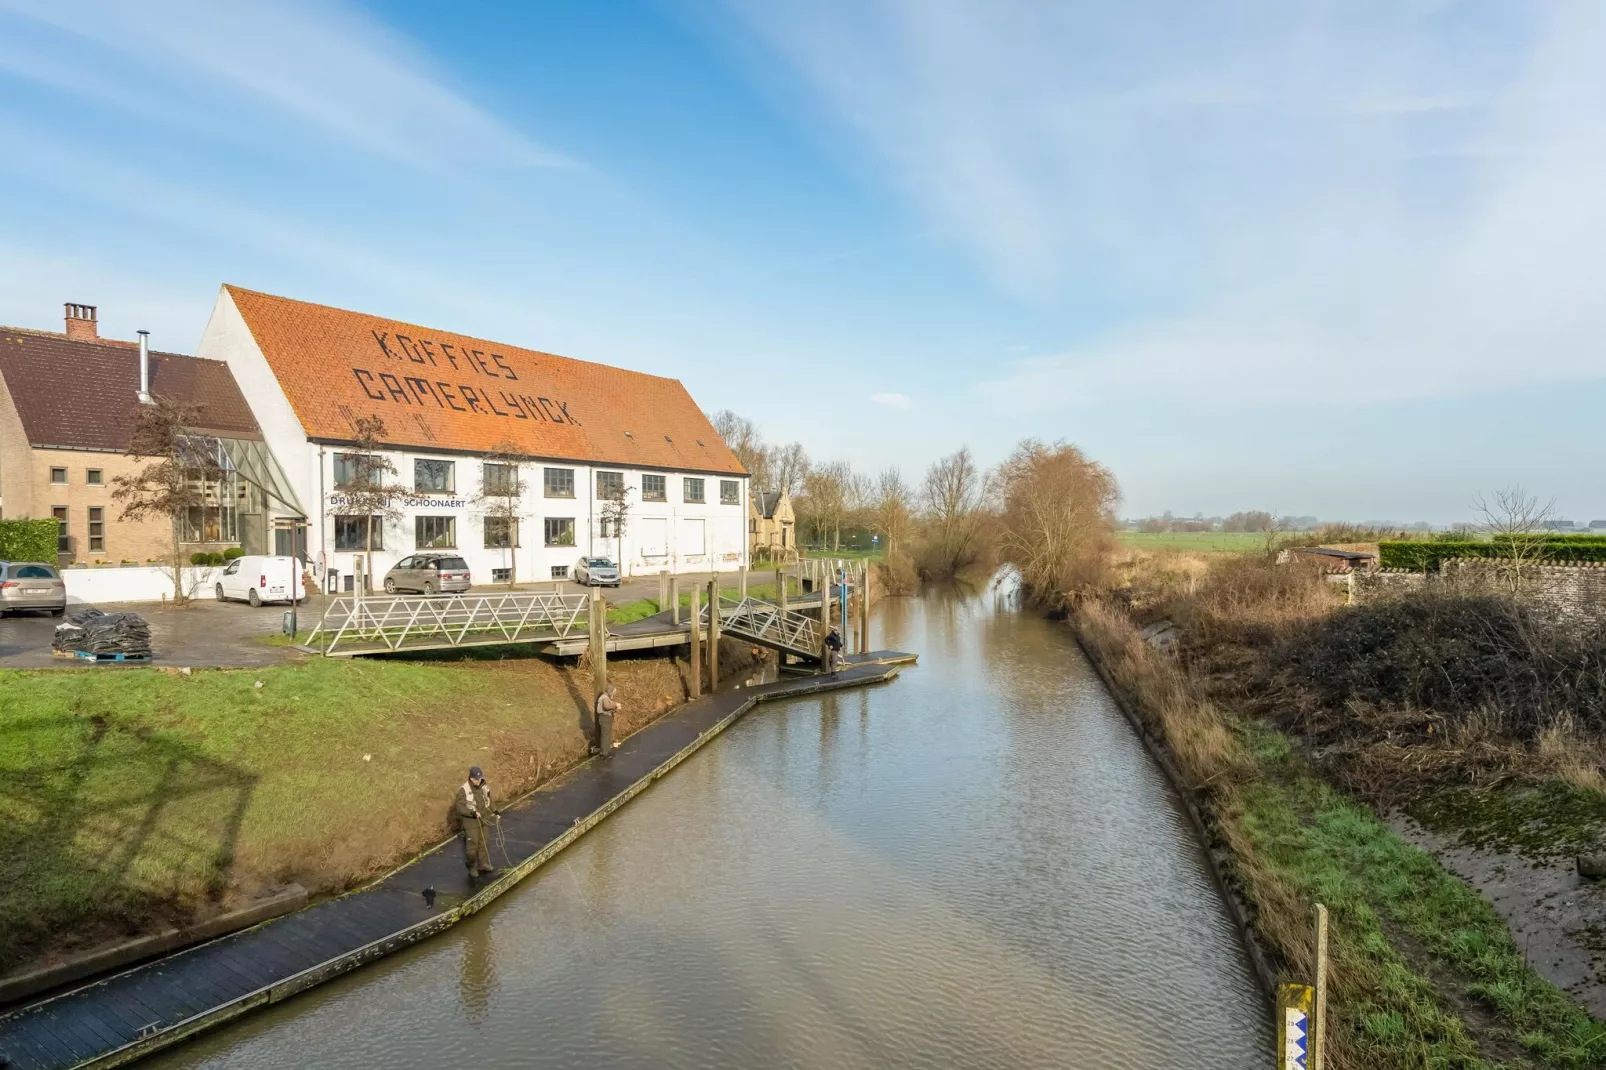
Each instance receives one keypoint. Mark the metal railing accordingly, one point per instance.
(769, 625)
(395, 622)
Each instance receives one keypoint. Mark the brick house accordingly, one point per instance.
(68, 406)
(772, 526)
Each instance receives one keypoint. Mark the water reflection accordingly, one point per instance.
(975, 866)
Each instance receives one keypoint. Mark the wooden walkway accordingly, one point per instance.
(122, 1018)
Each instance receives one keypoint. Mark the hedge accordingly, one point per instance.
(1429, 556)
(28, 540)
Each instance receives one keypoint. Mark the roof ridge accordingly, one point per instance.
(233, 289)
(112, 343)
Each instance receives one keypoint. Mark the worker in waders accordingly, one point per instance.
(607, 707)
(474, 814)
(833, 651)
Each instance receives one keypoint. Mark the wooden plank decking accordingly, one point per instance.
(122, 1018)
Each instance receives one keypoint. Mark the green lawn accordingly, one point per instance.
(1205, 542)
(130, 797)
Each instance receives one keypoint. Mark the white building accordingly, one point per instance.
(463, 418)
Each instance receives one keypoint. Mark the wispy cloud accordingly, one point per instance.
(320, 63)
(1404, 194)
(893, 400)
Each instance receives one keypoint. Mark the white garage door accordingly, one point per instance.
(693, 538)
(654, 538)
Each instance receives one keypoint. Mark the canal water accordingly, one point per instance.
(974, 866)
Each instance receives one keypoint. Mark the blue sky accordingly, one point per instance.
(1336, 259)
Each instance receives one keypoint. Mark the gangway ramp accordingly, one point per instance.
(380, 624)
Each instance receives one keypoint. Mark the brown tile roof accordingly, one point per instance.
(443, 391)
(85, 394)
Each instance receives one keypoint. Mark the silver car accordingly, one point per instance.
(595, 572)
(31, 585)
(429, 574)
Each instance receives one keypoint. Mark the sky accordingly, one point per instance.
(1336, 259)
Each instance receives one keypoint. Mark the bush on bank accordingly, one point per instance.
(1424, 973)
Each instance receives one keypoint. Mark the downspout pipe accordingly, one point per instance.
(145, 367)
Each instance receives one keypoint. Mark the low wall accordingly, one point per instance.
(143, 584)
(1571, 592)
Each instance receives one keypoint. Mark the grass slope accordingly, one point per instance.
(132, 797)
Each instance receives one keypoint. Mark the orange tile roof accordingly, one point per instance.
(441, 391)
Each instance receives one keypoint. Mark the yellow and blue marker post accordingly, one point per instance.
(1293, 1026)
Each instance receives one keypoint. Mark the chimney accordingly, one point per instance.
(144, 367)
(81, 325)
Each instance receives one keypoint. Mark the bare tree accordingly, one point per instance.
(183, 474)
(501, 501)
(954, 497)
(1057, 515)
(744, 439)
(892, 505)
(1516, 523)
(615, 514)
(790, 467)
(828, 491)
(366, 487)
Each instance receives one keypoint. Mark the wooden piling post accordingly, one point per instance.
(599, 668)
(1318, 1033)
(663, 589)
(696, 645)
(741, 582)
(713, 633)
(864, 611)
(780, 587)
(674, 599)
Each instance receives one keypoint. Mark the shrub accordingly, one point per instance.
(28, 540)
(232, 552)
(1429, 556)
(200, 557)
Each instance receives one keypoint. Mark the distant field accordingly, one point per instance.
(1198, 541)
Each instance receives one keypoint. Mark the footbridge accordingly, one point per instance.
(558, 623)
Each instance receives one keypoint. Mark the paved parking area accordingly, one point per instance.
(202, 634)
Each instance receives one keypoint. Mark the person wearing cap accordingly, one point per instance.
(833, 651)
(473, 814)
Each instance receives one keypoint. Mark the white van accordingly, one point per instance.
(257, 579)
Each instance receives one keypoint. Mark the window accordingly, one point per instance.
(353, 468)
(63, 540)
(501, 575)
(210, 523)
(58, 475)
(610, 486)
(501, 480)
(351, 533)
(558, 482)
(694, 490)
(654, 489)
(752, 527)
(608, 527)
(560, 531)
(34, 572)
(97, 529)
(94, 477)
(435, 532)
(501, 532)
(560, 572)
(730, 492)
(434, 477)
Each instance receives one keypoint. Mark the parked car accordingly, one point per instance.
(430, 574)
(595, 572)
(257, 578)
(31, 585)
